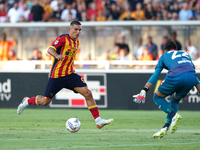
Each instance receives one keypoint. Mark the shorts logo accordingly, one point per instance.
(51, 94)
(95, 82)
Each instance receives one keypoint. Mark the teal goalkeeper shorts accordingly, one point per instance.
(180, 84)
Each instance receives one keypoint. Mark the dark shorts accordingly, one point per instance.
(54, 85)
(180, 84)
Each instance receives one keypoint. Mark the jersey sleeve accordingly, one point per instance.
(155, 75)
(158, 69)
(160, 63)
(57, 43)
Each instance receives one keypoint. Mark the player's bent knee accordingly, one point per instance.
(87, 94)
(175, 98)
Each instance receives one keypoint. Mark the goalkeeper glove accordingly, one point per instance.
(141, 96)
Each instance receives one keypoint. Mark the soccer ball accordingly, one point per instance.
(73, 125)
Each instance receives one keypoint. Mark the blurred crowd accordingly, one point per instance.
(148, 51)
(97, 10)
(101, 10)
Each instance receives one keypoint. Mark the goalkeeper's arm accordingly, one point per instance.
(152, 80)
(142, 95)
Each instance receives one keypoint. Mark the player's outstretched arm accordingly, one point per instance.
(140, 98)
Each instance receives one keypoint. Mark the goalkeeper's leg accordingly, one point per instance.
(174, 104)
(171, 112)
(163, 105)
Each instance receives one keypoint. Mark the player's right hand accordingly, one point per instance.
(140, 98)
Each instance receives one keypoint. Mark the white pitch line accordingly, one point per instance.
(116, 130)
(88, 139)
(132, 145)
(138, 130)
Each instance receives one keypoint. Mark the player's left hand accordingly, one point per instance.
(140, 98)
(59, 57)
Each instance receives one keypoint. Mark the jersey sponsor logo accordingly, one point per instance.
(71, 54)
(5, 90)
(95, 82)
(184, 61)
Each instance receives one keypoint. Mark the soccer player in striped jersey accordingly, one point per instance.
(62, 75)
(180, 79)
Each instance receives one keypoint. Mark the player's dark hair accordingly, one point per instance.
(170, 45)
(75, 23)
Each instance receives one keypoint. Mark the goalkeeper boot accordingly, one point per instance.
(174, 122)
(22, 105)
(162, 132)
(100, 123)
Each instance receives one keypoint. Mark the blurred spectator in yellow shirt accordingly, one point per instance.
(139, 13)
(100, 16)
(48, 11)
(146, 55)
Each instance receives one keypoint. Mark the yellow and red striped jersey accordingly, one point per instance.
(4, 49)
(66, 46)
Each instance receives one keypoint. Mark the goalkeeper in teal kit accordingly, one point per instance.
(180, 79)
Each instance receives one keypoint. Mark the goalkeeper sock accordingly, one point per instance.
(172, 114)
(94, 111)
(174, 104)
(166, 125)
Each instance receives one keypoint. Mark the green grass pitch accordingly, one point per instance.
(44, 129)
